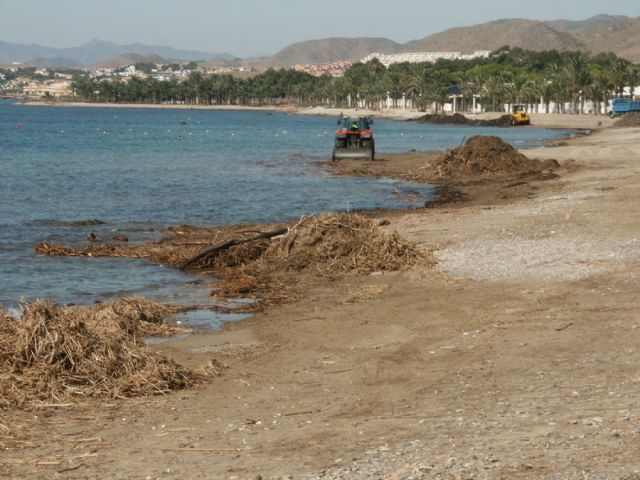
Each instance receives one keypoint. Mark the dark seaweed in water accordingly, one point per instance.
(83, 223)
(459, 119)
(68, 223)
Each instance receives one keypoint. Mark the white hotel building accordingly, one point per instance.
(422, 57)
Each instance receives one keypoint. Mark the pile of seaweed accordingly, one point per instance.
(629, 120)
(486, 155)
(343, 242)
(326, 244)
(459, 119)
(53, 354)
(260, 267)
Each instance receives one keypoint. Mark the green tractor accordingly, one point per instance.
(354, 139)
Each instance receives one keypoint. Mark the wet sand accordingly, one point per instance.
(516, 357)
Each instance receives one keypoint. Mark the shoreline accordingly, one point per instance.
(550, 121)
(524, 335)
(375, 212)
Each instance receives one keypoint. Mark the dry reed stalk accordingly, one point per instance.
(52, 354)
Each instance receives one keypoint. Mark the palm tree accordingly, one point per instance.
(519, 87)
(578, 77)
(472, 87)
(85, 87)
(632, 77)
(494, 87)
(196, 81)
(619, 75)
(213, 88)
(394, 83)
(420, 85)
(546, 89)
(601, 86)
(356, 77)
(556, 75)
(442, 80)
(339, 90)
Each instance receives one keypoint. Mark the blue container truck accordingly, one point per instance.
(620, 106)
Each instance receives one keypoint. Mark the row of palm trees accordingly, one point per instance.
(565, 80)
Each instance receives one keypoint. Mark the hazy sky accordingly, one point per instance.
(250, 27)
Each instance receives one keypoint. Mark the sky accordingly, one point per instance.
(257, 27)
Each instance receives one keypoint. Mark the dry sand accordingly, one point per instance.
(517, 358)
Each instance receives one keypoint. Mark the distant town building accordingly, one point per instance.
(129, 71)
(49, 88)
(102, 72)
(424, 57)
(335, 69)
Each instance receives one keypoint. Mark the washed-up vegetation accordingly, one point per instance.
(485, 155)
(629, 120)
(459, 119)
(55, 354)
(257, 262)
(327, 244)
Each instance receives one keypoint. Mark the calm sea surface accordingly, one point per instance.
(139, 170)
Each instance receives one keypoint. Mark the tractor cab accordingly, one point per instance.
(355, 124)
(354, 139)
(519, 115)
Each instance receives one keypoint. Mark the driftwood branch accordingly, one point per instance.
(228, 244)
(204, 450)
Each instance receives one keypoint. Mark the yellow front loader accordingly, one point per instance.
(519, 115)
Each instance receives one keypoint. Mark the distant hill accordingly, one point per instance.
(235, 62)
(332, 49)
(597, 22)
(622, 38)
(54, 62)
(527, 34)
(126, 59)
(618, 34)
(602, 33)
(95, 52)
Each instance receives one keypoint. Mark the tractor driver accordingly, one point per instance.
(354, 125)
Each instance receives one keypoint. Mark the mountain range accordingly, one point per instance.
(602, 33)
(95, 52)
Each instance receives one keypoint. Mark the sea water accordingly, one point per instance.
(139, 170)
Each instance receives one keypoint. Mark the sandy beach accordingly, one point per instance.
(514, 357)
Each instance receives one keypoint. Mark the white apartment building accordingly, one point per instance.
(423, 57)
